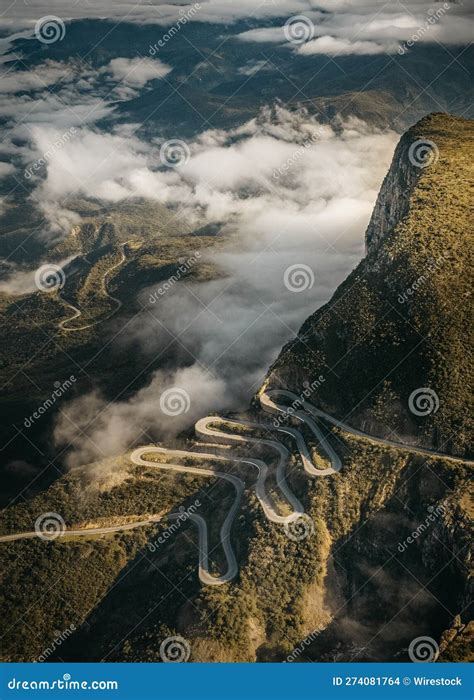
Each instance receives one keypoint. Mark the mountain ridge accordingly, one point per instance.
(385, 555)
(395, 325)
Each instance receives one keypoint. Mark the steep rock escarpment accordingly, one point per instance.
(393, 343)
(393, 202)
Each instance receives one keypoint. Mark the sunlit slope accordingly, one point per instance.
(401, 321)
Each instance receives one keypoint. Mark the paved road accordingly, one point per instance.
(238, 484)
(267, 403)
(86, 531)
(116, 301)
(207, 429)
(204, 431)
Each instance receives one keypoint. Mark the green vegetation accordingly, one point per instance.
(349, 577)
(35, 352)
(146, 594)
(381, 348)
(49, 586)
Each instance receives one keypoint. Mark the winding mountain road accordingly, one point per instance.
(267, 403)
(203, 431)
(77, 312)
(205, 428)
(208, 429)
(237, 483)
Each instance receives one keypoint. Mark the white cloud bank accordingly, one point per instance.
(367, 28)
(291, 191)
(24, 14)
(330, 46)
(136, 72)
(350, 20)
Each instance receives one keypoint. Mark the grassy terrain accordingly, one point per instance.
(285, 591)
(347, 587)
(36, 353)
(381, 349)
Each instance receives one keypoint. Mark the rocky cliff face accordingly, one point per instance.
(391, 341)
(393, 201)
(390, 555)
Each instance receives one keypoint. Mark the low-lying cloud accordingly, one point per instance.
(136, 72)
(330, 46)
(364, 28)
(96, 428)
(365, 24)
(289, 192)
